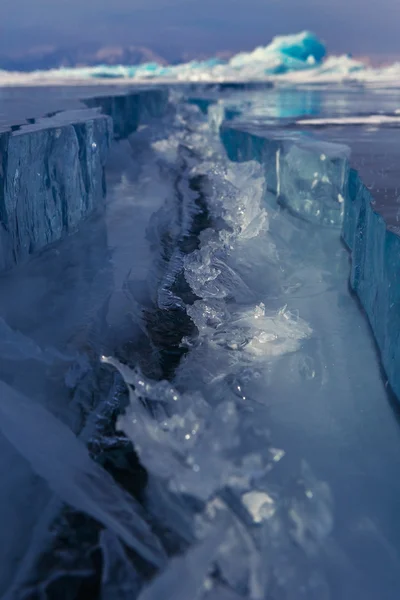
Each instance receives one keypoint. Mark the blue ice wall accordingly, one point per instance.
(375, 271)
(52, 171)
(52, 177)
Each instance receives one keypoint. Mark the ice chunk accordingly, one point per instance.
(183, 429)
(52, 178)
(63, 461)
(259, 504)
(307, 176)
(312, 178)
(284, 53)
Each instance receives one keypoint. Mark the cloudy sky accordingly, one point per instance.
(357, 26)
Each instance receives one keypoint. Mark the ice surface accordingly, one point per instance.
(185, 439)
(311, 180)
(274, 365)
(269, 458)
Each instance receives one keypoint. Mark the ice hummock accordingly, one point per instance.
(285, 53)
(294, 58)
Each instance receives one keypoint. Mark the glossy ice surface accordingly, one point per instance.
(268, 440)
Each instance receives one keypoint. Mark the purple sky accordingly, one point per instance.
(356, 26)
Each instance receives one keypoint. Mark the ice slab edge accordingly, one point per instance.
(52, 172)
(373, 242)
(128, 110)
(52, 176)
(375, 276)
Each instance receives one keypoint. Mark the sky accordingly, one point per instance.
(200, 26)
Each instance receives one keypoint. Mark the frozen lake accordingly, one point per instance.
(268, 463)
